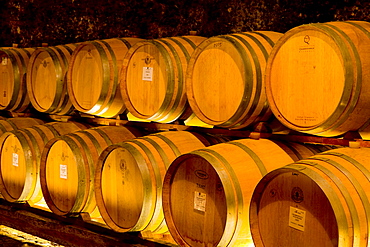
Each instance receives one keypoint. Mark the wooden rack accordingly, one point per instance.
(78, 231)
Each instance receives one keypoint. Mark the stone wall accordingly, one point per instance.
(32, 22)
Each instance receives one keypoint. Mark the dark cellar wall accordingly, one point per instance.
(32, 22)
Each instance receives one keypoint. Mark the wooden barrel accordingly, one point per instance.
(20, 152)
(47, 81)
(128, 181)
(225, 79)
(153, 77)
(93, 76)
(13, 67)
(68, 163)
(10, 124)
(206, 193)
(316, 79)
(319, 201)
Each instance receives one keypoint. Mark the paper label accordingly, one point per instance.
(147, 74)
(297, 218)
(63, 171)
(4, 60)
(15, 159)
(199, 201)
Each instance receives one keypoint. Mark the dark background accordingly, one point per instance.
(32, 22)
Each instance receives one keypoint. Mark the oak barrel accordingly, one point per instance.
(206, 193)
(225, 79)
(128, 181)
(9, 124)
(319, 201)
(153, 77)
(47, 79)
(13, 67)
(317, 80)
(93, 76)
(20, 152)
(68, 163)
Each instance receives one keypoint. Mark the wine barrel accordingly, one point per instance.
(153, 77)
(9, 124)
(206, 193)
(68, 163)
(20, 152)
(46, 79)
(319, 201)
(93, 76)
(316, 80)
(128, 181)
(225, 79)
(13, 96)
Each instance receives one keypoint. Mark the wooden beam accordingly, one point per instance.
(69, 231)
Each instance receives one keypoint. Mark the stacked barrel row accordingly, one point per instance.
(312, 79)
(219, 80)
(239, 192)
(189, 184)
(176, 182)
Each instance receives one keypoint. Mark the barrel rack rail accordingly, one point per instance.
(260, 130)
(81, 230)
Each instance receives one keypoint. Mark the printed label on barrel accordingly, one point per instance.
(306, 119)
(297, 218)
(63, 171)
(15, 159)
(201, 174)
(147, 74)
(307, 46)
(200, 201)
